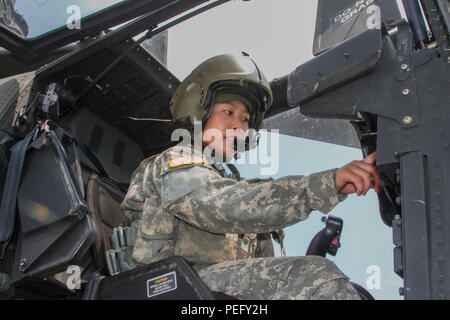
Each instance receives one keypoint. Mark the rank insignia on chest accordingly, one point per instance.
(182, 161)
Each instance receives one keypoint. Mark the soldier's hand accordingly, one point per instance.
(358, 176)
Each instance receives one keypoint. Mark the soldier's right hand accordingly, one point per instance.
(358, 176)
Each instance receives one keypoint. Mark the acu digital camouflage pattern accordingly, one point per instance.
(195, 212)
(300, 278)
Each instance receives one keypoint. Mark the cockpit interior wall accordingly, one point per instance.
(118, 154)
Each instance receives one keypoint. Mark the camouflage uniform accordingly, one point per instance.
(223, 225)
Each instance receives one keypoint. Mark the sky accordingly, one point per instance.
(278, 35)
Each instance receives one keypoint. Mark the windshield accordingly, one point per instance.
(33, 18)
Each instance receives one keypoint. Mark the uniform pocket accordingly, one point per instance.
(156, 241)
(155, 232)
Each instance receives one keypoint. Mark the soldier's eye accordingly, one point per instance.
(229, 112)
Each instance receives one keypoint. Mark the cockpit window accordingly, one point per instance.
(33, 18)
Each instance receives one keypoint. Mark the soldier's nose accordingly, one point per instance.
(236, 123)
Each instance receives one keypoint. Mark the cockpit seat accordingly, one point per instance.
(103, 202)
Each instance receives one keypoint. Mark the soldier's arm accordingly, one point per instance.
(201, 197)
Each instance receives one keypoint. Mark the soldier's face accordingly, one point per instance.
(228, 121)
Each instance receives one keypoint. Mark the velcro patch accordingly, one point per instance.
(182, 161)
